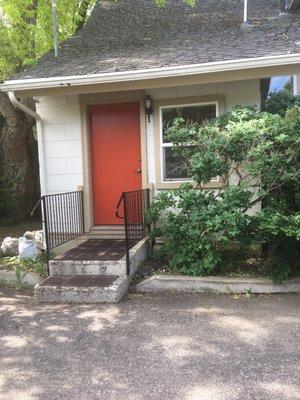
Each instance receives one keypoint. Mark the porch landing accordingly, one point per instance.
(95, 249)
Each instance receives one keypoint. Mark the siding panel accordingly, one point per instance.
(62, 142)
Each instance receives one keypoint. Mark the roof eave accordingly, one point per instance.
(156, 73)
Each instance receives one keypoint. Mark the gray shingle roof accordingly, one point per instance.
(135, 34)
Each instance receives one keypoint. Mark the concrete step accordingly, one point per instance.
(104, 235)
(87, 267)
(107, 232)
(82, 289)
(109, 228)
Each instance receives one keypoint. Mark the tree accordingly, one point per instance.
(25, 35)
(26, 29)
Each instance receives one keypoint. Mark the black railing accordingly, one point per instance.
(135, 205)
(62, 217)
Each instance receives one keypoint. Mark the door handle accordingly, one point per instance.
(139, 171)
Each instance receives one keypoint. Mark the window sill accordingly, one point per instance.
(177, 185)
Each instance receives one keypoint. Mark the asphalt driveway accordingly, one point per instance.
(180, 347)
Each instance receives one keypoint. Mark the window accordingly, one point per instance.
(275, 84)
(174, 167)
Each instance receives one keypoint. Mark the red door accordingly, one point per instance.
(116, 157)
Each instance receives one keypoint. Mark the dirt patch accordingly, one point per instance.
(151, 267)
(252, 267)
(18, 229)
(9, 289)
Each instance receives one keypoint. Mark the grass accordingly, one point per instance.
(37, 265)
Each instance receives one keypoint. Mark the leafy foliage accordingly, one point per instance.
(26, 29)
(37, 264)
(203, 225)
(278, 102)
(257, 155)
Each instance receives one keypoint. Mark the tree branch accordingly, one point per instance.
(82, 14)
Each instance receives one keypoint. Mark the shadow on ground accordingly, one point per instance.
(180, 347)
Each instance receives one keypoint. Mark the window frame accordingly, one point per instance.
(163, 145)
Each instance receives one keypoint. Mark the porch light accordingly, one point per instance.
(148, 106)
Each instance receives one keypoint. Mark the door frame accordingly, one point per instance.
(107, 98)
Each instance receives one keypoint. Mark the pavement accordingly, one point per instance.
(152, 347)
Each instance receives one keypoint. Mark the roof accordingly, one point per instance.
(293, 4)
(130, 35)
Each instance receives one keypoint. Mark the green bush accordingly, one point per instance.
(37, 264)
(280, 101)
(202, 227)
(256, 154)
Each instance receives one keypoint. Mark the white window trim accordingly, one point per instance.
(163, 145)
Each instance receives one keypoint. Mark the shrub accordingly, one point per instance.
(280, 101)
(37, 264)
(256, 154)
(202, 227)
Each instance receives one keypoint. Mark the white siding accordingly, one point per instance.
(62, 140)
(62, 128)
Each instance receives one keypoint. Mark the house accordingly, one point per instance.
(103, 103)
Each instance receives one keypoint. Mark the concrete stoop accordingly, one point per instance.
(49, 292)
(90, 281)
(87, 267)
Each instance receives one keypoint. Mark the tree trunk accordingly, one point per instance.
(32, 22)
(82, 13)
(19, 158)
(19, 166)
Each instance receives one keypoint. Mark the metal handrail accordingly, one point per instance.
(62, 216)
(135, 204)
(36, 206)
(118, 206)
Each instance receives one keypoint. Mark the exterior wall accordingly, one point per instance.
(63, 127)
(64, 134)
(62, 143)
(296, 87)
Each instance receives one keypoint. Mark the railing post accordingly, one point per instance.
(127, 244)
(45, 223)
(136, 204)
(82, 213)
(147, 228)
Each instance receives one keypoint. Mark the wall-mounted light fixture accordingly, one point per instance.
(148, 106)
